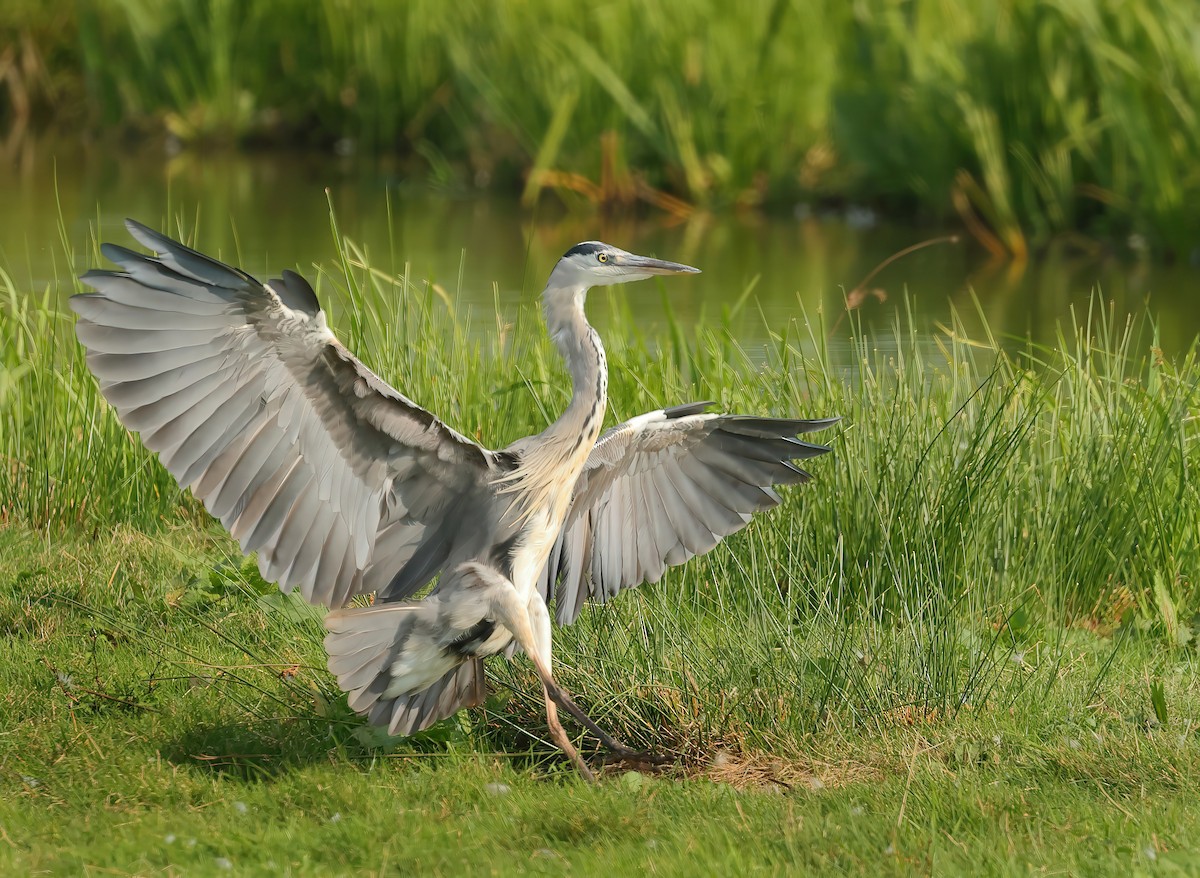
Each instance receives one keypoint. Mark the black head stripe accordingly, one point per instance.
(584, 249)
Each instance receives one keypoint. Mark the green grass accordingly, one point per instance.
(1040, 118)
(147, 728)
(968, 646)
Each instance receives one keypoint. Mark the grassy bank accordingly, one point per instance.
(159, 718)
(1029, 118)
(976, 625)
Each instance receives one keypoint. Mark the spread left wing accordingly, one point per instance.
(664, 487)
(341, 483)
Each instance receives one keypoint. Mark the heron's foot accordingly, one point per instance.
(617, 752)
(621, 753)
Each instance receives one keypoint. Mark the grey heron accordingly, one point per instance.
(344, 486)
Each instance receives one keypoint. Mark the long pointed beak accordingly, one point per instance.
(654, 266)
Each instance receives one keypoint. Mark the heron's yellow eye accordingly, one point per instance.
(602, 257)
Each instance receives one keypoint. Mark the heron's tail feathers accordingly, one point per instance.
(394, 671)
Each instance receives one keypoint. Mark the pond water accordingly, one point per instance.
(483, 249)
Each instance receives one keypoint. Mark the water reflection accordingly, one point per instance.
(272, 210)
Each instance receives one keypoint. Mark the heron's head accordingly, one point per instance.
(596, 264)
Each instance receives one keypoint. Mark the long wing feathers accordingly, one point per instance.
(181, 259)
(664, 487)
(774, 428)
(302, 452)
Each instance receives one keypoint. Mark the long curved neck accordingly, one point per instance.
(537, 485)
(584, 355)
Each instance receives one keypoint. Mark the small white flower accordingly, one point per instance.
(240, 807)
(498, 789)
(170, 838)
(336, 817)
(224, 863)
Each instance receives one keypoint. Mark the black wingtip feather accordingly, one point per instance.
(814, 424)
(804, 450)
(753, 425)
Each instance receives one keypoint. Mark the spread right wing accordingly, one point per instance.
(664, 487)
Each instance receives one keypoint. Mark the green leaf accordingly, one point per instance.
(1158, 699)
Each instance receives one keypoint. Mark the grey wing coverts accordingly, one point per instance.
(664, 487)
(337, 480)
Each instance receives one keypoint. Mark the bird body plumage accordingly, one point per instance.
(344, 486)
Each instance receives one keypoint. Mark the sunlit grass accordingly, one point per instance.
(977, 496)
(164, 709)
(988, 588)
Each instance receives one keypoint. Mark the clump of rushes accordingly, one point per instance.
(1030, 119)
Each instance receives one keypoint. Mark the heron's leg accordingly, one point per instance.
(615, 747)
(559, 734)
(539, 617)
(509, 611)
(537, 645)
